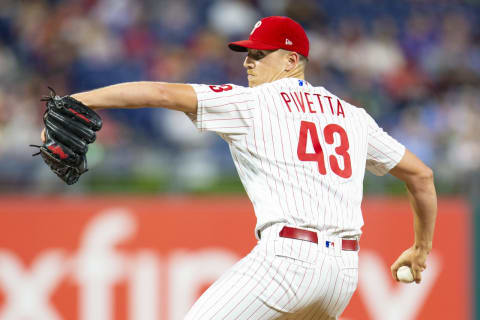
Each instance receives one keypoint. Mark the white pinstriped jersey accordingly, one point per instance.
(300, 151)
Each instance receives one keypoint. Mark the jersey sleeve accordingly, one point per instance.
(225, 109)
(384, 152)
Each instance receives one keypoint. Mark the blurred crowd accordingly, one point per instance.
(414, 65)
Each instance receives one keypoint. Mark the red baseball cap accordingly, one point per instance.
(273, 33)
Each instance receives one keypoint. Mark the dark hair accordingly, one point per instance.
(303, 60)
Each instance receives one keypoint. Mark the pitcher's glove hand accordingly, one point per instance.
(69, 127)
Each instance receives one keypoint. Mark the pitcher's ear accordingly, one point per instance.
(293, 59)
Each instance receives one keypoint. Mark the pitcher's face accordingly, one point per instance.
(264, 66)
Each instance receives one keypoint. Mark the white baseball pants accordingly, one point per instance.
(282, 279)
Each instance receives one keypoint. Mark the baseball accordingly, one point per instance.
(404, 274)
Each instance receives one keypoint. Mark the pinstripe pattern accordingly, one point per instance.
(282, 279)
(285, 278)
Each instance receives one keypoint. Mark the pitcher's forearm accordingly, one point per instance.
(124, 95)
(424, 204)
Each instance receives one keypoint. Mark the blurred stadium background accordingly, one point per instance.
(414, 65)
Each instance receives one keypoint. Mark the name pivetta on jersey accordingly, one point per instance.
(300, 151)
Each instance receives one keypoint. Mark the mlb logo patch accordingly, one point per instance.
(300, 83)
(329, 244)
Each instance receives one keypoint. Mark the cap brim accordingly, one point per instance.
(244, 45)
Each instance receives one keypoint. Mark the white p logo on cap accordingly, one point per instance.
(256, 26)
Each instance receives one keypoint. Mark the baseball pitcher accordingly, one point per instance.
(301, 154)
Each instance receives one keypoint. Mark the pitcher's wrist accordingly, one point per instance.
(425, 246)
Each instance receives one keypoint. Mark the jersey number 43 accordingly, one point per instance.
(307, 127)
